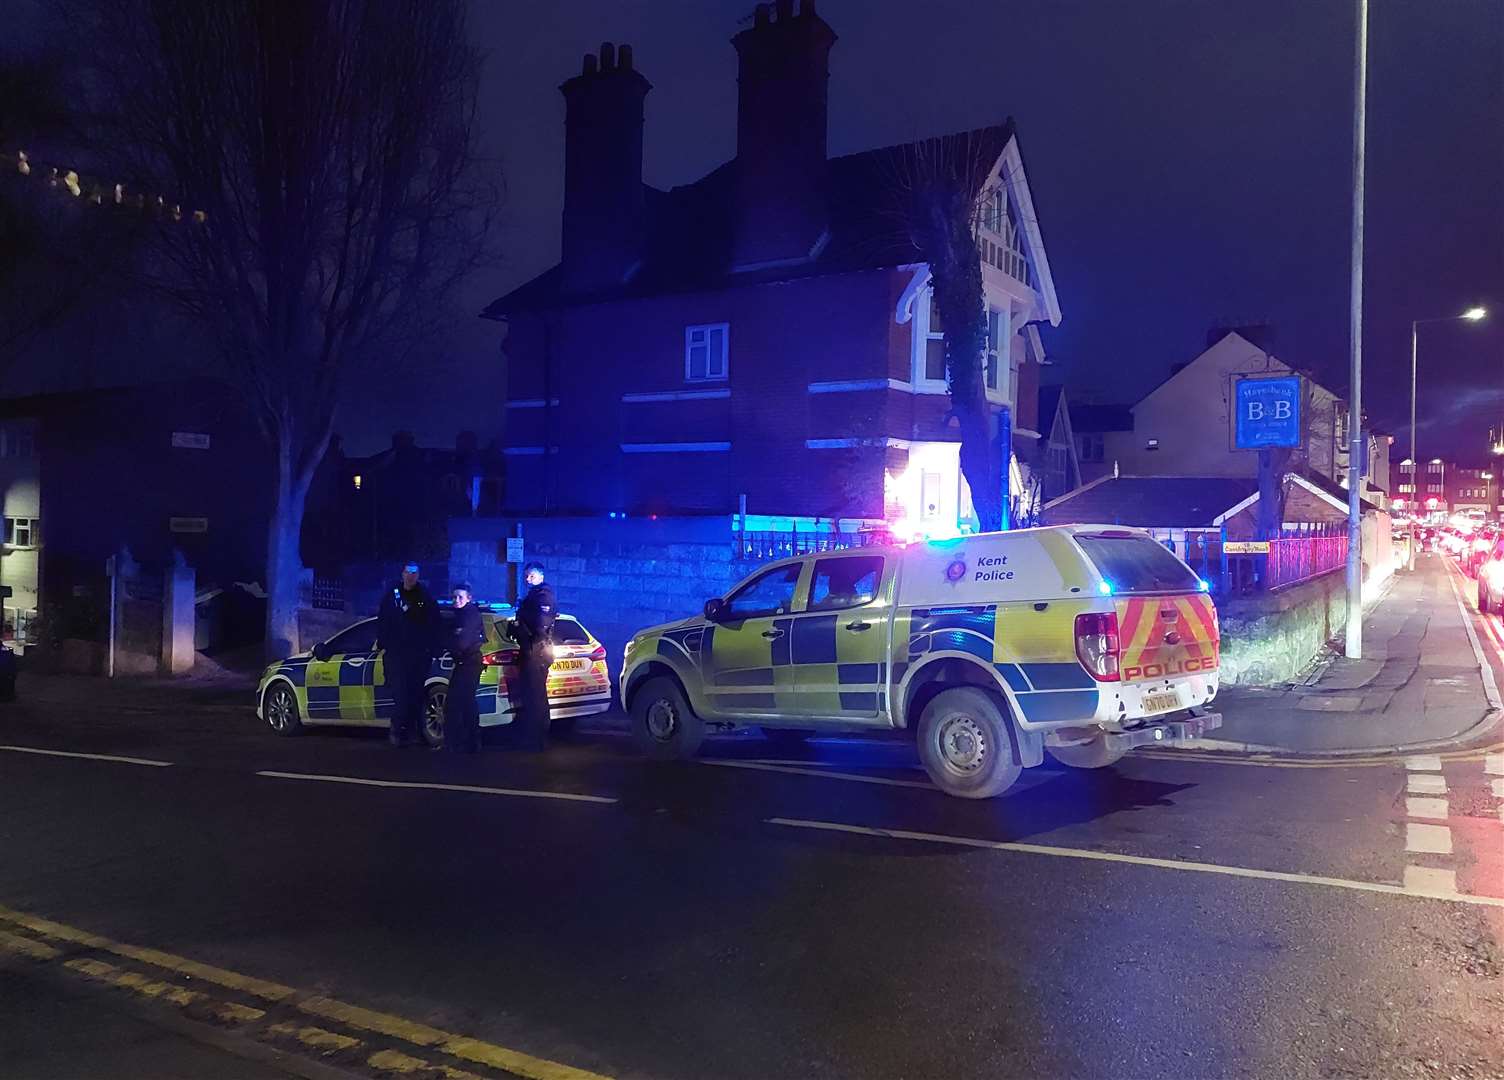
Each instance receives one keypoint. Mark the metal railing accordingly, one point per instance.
(1296, 559)
(766, 546)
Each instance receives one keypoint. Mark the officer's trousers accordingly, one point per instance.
(461, 717)
(532, 686)
(406, 677)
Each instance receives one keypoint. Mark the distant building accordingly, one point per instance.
(1091, 425)
(766, 332)
(1056, 463)
(1183, 426)
(1446, 487)
(158, 469)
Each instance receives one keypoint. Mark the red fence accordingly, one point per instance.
(1302, 558)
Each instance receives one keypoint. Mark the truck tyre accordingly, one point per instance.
(663, 725)
(1482, 598)
(1093, 754)
(966, 744)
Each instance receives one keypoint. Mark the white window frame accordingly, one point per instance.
(920, 351)
(1006, 355)
(13, 528)
(704, 330)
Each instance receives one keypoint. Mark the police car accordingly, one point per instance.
(1085, 641)
(342, 680)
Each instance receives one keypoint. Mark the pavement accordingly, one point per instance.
(182, 884)
(1428, 676)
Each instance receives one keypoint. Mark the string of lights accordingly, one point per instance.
(99, 192)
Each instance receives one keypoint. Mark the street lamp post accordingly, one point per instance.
(1354, 642)
(1473, 314)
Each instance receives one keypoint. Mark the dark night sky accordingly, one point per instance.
(1189, 159)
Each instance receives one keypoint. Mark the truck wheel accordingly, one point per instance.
(1093, 754)
(663, 724)
(965, 744)
(280, 707)
(1482, 600)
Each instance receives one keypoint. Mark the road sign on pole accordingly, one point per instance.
(1268, 412)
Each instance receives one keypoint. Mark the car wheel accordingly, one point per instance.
(1092, 754)
(280, 707)
(663, 724)
(966, 744)
(433, 714)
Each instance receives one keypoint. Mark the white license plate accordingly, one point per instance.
(1158, 703)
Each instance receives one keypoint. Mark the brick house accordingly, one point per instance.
(764, 336)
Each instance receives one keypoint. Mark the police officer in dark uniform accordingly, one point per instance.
(407, 630)
(467, 634)
(533, 629)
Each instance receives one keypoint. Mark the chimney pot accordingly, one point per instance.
(785, 10)
(624, 58)
(588, 67)
(608, 56)
(762, 15)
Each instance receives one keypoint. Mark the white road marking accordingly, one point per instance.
(89, 757)
(1490, 688)
(1428, 839)
(522, 793)
(1134, 860)
(1420, 806)
(1423, 763)
(1430, 881)
(763, 767)
(1426, 784)
(1493, 764)
(1498, 786)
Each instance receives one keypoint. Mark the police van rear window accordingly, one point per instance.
(569, 632)
(1132, 563)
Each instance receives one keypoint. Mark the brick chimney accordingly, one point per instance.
(784, 68)
(603, 200)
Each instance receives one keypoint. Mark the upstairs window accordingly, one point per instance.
(17, 442)
(22, 532)
(1001, 237)
(705, 352)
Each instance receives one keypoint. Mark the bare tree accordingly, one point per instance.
(331, 144)
(938, 185)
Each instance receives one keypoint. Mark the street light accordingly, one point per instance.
(1472, 314)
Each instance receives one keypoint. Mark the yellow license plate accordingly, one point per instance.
(1158, 703)
(568, 665)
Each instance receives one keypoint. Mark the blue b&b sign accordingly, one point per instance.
(1268, 413)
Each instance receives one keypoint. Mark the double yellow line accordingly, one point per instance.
(38, 945)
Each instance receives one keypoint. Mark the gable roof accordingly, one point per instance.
(1165, 502)
(689, 230)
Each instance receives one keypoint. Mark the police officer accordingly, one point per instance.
(466, 635)
(407, 630)
(533, 628)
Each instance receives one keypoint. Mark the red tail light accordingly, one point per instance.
(1097, 644)
(498, 658)
(598, 653)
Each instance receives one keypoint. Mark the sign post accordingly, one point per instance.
(1268, 417)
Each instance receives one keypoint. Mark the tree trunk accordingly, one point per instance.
(284, 562)
(958, 296)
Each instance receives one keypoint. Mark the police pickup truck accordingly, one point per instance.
(1084, 641)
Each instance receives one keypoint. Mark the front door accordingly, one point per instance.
(739, 648)
(339, 688)
(838, 645)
